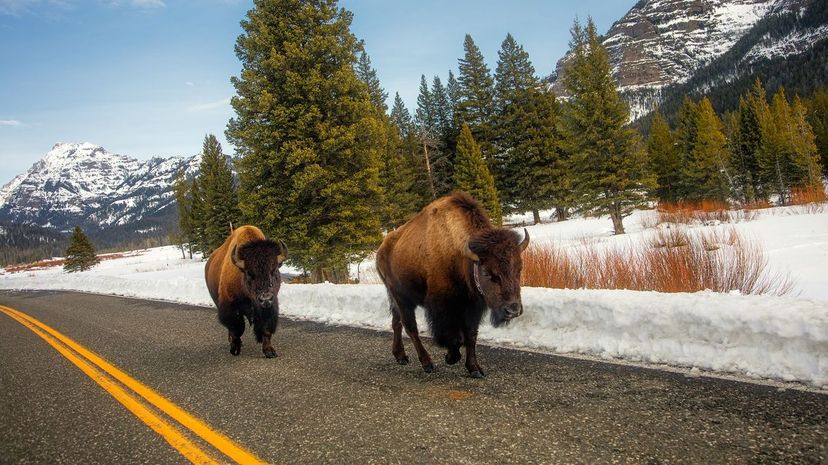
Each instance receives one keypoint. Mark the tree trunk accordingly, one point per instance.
(560, 214)
(536, 216)
(428, 170)
(615, 214)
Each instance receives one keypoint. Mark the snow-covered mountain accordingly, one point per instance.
(85, 184)
(664, 43)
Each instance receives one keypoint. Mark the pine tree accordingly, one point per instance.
(664, 159)
(184, 205)
(530, 170)
(806, 160)
(475, 105)
(438, 166)
(308, 135)
(775, 150)
(219, 204)
(685, 137)
(411, 153)
(474, 177)
(367, 74)
(753, 111)
(608, 159)
(80, 255)
(818, 119)
(706, 168)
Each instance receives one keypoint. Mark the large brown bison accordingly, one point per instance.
(452, 261)
(243, 279)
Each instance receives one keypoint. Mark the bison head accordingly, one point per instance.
(259, 261)
(496, 267)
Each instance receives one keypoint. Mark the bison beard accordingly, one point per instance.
(453, 262)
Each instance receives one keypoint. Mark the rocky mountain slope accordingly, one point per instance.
(113, 197)
(661, 44)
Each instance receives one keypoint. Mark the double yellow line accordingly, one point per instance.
(137, 395)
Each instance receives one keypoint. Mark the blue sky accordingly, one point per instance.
(152, 77)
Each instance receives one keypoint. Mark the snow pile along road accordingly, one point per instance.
(783, 338)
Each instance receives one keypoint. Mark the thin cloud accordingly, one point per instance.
(210, 106)
(10, 122)
(189, 83)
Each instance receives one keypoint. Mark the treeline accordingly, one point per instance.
(326, 166)
(25, 243)
(760, 151)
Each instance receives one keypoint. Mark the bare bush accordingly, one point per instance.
(672, 260)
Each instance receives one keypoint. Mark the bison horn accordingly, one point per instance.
(235, 257)
(469, 254)
(525, 242)
(283, 251)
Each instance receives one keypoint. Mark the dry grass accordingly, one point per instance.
(811, 200)
(673, 260)
(704, 212)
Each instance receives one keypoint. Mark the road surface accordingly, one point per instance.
(335, 395)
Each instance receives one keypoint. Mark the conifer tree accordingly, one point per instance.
(411, 153)
(219, 204)
(774, 158)
(367, 74)
(807, 167)
(818, 119)
(608, 159)
(308, 135)
(529, 169)
(753, 112)
(475, 105)
(685, 137)
(80, 255)
(706, 167)
(438, 162)
(473, 176)
(664, 159)
(184, 205)
(401, 117)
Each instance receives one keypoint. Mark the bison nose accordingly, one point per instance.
(513, 310)
(266, 300)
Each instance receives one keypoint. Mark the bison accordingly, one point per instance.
(453, 262)
(243, 279)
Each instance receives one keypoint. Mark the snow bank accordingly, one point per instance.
(782, 338)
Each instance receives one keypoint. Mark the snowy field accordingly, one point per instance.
(764, 337)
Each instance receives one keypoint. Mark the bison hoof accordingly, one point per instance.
(403, 360)
(428, 368)
(235, 350)
(270, 354)
(477, 374)
(451, 358)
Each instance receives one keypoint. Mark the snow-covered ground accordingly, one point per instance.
(770, 337)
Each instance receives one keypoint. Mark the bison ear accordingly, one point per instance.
(283, 252)
(235, 258)
(469, 254)
(525, 243)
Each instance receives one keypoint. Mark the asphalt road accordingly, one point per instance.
(335, 395)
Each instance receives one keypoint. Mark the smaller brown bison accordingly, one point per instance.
(453, 262)
(243, 279)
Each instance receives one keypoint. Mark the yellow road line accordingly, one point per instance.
(183, 445)
(221, 442)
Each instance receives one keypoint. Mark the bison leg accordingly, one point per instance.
(269, 329)
(409, 322)
(470, 341)
(234, 322)
(397, 346)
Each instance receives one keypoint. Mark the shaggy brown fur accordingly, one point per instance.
(246, 286)
(432, 261)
